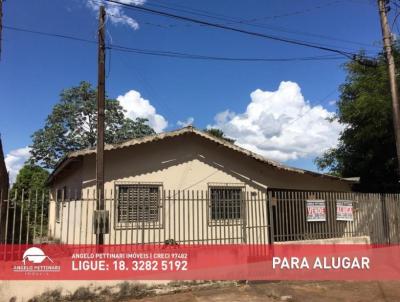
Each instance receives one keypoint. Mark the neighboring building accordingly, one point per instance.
(4, 181)
(4, 186)
(185, 186)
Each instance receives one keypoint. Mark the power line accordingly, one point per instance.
(217, 58)
(206, 13)
(347, 54)
(48, 34)
(229, 20)
(397, 13)
(174, 54)
(250, 22)
(268, 27)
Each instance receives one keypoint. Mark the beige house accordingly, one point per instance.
(183, 186)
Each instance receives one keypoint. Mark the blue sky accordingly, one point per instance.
(34, 69)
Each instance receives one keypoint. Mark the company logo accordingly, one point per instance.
(35, 261)
(35, 255)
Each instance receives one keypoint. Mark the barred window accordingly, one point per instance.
(138, 203)
(226, 203)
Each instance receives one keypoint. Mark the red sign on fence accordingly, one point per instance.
(316, 210)
(344, 210)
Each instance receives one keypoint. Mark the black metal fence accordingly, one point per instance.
(136, 215)
(375, 216)
(24, 216)
(151, 214)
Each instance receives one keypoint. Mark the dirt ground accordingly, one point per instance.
(326, 291)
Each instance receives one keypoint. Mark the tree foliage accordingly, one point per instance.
(219, 134)
(367, 145)
(30, 177)
(30, 197)
(72, 124)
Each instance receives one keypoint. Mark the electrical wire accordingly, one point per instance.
(268, 27)
(216, 58)
(397, 14)
(250, 22)
(48, 34)
(206, 13)
(174, 54)
(347, 54)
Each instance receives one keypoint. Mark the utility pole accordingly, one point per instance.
(387, 42)
(100, 127)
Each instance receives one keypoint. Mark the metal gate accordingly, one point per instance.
(374, 215)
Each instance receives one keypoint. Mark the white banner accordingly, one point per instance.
(344, 210)
(316, 210)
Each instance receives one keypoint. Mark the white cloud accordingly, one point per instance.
(15, 160)
(281, 125)
(332, 102)
(136, 106)
(189, 121)
(115, 12)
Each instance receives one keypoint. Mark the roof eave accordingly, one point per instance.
(190, 129)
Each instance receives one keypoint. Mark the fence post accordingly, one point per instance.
(385, 222)
(244, 213)
(270, 218)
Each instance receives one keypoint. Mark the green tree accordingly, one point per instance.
(30, 199)
(367, 145)
(72, 123)
(219, 134)
(31, 177)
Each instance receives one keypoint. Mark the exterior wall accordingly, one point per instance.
(188, 163)
(71, 180)
(70, 177)
(184, 218)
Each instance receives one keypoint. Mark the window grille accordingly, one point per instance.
(138, 203)
(226, 203)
